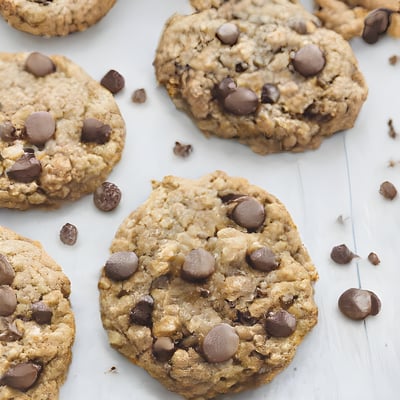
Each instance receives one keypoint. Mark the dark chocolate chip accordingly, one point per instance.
(245, 318)
(249, 213)
(69, 234)
(280, 323)
(95, 131)
(40, 127)
(357, 303)
(376, 23)
(373, 258)
(7, 273)
(388, 190)
(7, 131)
(220, 344)
(242, 101)
(26, 169)
(8, 301)
(113, 81)
(8, 330)
(270, 93)
(182, 150)
(121, 265)
(41, 313)
(163, 348)
(309, 60)
(141, 314)
(225, 87)
(139, 96)
(22, 376)
(199, 265)
(228, 33)
(341, 254)
(107, 196)
(263, 259)
(39, 65)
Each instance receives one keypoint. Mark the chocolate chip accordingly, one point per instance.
(182, 150)
(263, 259)
(141, 313)
(22, 376)
(341, 254)
(26, 169)
(41, 313)
(220, 344)
(242, 101)
(7, 131)
(245, 318)
(95, 131)
(8, 330)
(107, 196)
(373, 258)
(241, 67)
(8, 301)
(39, 65)
(113, 81)
(376, 23)
(388, 190)
(139, 96)
(249, 213)
(69, 234)
(7, 273)
(199, 265)
(270, 93)
(225, 87)
(309, 60)
(228, 33)
(121, 265)
(280, 323)
(163, 348)
(357, 304)
(232, 197)
(40, 127)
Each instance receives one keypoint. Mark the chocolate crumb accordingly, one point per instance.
(139, 96)
(342, 254)
(182, 150)
(373, 258)
(393, 59)
(392, 132)
(388, 190)
(69, 234)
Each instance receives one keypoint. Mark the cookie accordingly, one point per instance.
(37, 326)
(61, 132)
(208, 287)
(350, 18)
(261, 72)
(53, 17)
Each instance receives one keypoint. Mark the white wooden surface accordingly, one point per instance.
(341, 359)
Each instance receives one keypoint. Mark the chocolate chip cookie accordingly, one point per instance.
(37, 327)
(208, 287)
(53, 17)
(61, 132)
(261, 72)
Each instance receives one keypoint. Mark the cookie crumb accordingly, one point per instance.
(388, 190)
(373, 258)
(393, 59)
(139, 96)
(112, 370)
(182, 150)
(392, 163)
(392, 132)
(69, 234)
(341, 219)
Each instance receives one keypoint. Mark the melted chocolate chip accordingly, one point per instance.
(342, 254)
(39, 65)
(309, 60)
(69, 234)
(220, 344)
(280, 323)
(95, 131)
(22, 376)
(41, 313)
(388, 190)
(375, 24)
(228, 33)
(121, 265)
(7, 131)
(199, 265)
(357, 304)
(113, 81)
(7, 273)
(26, 169)
(40, 127)
(8, 301)
(245, 318)
(107, 196)
(249, 213)
(141, 314)
(8, 330)
(270, 93)
(263, 259)
(163, 348)
(242, 101)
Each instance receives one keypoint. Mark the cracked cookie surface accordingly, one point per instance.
(61, 132)
(53, 17)
(202, 262)
(198, 52)
(37, 326)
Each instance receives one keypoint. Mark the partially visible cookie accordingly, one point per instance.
(37, 326)
(61, 132)
(53, 17)
(208, 287)
(261, 72)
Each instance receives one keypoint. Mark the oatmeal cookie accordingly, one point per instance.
(208, 287)
(53, 17)
(61, 132)
(37, 326)
(262, 72)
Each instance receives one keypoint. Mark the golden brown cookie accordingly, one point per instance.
(37, 326)
(208, 287)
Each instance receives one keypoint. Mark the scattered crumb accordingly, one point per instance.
(139, 96)
(182, 150)
(388, 190)
(341, 220)
(112, 370)
(392, 132)
(393, 59)
(392, 163)
(373, 258)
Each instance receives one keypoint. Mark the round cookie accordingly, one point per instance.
(209, 287)
(61, 132)
(241, 71)
(37, 326)
(53, 17)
